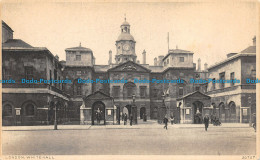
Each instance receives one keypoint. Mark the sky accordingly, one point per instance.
(210, 29)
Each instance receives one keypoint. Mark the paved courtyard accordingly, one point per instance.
(147, 139)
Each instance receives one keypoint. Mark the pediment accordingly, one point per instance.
(130, 66)
(98, 95)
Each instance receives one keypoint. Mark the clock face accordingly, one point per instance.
(126, 47)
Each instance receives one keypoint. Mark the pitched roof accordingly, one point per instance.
(250, 49)
(192, 93)
(16, 43)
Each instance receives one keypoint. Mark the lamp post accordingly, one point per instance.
(55, 114)
(133, 110)
(250, 116)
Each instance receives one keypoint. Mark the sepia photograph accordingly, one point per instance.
(141, 78)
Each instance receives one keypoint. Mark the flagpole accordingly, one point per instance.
(168, 39)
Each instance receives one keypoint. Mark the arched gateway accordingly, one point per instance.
(98, 109)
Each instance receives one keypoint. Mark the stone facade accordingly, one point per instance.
(77, 102)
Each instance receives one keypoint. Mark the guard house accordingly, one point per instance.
(98, 104)
(193, 107)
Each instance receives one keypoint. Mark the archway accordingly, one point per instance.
(222, 112)
(232, 107)
(127, 110)
(197, 112)
(142, 112)
(98, 113)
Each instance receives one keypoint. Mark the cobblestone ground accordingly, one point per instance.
(149, 139)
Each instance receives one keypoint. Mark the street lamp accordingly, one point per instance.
(134, 110)
(250, 116)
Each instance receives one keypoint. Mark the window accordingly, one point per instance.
(55, 77)
(130, 91)
(222, 77)
(155, 93)
(213, 84)
(50, 75)
(167, 61)
(142, 91)
(164, 63)
(78, 57)
(78, 73)
(181, 59)
(28, 72)
(29, 110)
(180, 91)
(197, 88)
(6, 74)
(116, 91)
(79, 90)
(7, 110)
(232, 77)
(142, 77)
(253, 74)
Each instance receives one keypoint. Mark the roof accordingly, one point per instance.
(177, 51)
(125, 36)
(193, 93)
(16, 43)
(78, 49)
(101, 68)
(250, 49)
(6, 25)
(156, 68)
(125, 23)
(231, 58)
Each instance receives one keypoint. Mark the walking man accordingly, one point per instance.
(125, 119)
(165, 121)
(206, 122)
(131, 119)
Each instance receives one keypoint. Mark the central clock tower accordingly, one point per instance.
(125, 45)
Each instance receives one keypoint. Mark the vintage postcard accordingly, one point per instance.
(130, 80)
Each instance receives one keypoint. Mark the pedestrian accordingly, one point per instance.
(172, 120)
(125, 119)
(165, 121)
(131, 119)
(123, 116)
(206, 122)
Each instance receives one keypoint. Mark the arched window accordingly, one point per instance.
(29, 109)
(129, 90)
(7, 110)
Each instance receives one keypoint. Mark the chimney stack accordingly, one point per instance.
(144, 57)
(94, 60)
(110, 58)
(254, 41)
(57, 57)
(205, 66)
(199, 64)
(160, 60)
(155, 61)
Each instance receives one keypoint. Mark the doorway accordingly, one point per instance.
(98, 113)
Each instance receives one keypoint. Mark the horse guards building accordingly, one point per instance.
(79, 103)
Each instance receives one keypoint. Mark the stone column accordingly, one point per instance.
(82, 117)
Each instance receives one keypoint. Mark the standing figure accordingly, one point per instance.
(131, 119)
(125, 119)
(122, 116)
(165, 121)
(206, 122)
(172, 120)
(98, 114)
